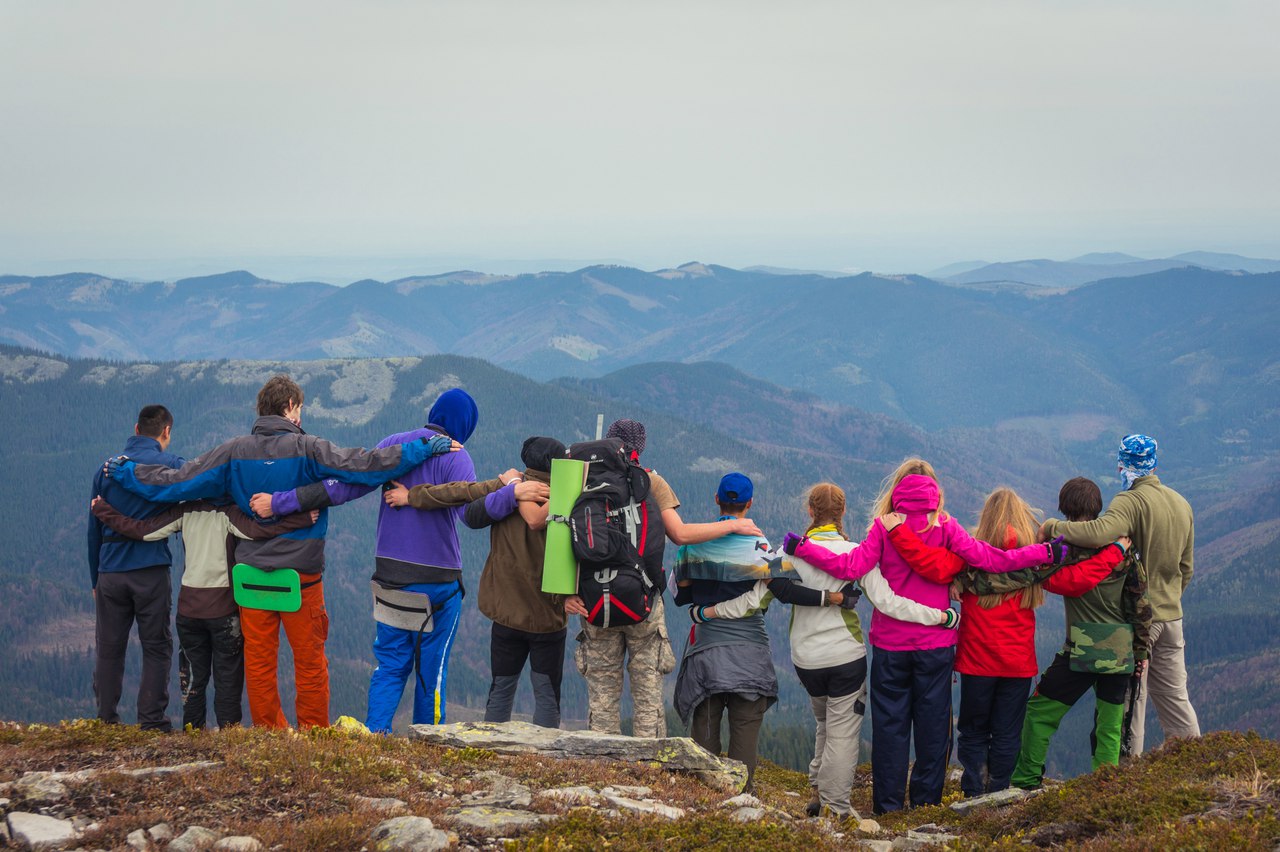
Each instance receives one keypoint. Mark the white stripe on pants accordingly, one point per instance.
(1165, 681)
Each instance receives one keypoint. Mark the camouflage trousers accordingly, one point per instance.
(646, 651)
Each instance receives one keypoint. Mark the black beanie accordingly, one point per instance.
(538, 452)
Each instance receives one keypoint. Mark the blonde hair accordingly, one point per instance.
(826, 505)
(883, 504)
(1006, 515)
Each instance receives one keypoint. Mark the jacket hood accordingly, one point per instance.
(455, 412)
(916, 495)
(274, 424)
(538, 452)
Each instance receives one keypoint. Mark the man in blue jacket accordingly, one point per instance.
(130, 581)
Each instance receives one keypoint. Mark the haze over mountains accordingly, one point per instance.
(791, 378)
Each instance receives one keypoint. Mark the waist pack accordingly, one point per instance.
(405, 610)
(617, 536)
(278, 590)
(1100, 648)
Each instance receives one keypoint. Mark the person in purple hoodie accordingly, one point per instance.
(417, 553)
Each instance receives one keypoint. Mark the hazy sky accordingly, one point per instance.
(836, 135)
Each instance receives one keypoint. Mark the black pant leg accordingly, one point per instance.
(891, 677)
(930, 723)
(113, 619)
(1008, 711)
(546, 671)
(228, 670)
(508, 650)
(745, 718)
(974, 729)
(153, 604)
(195, 657)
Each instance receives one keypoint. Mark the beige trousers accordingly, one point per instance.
(1165, 682)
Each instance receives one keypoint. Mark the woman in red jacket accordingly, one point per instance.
(996, 653)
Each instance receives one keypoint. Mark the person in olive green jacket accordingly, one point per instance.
(1162, 526)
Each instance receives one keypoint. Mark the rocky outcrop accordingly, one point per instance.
(679, 754)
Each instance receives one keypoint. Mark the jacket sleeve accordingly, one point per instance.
(987, 557)
(204, 477)
(756, 599)
(356, 466)
(448, 495)
(491, 508)
(1072, 581)
(894, 605)
(1106, 528)
(1137, 609)
(935, 564)
(95, 535)
(241, 525)
(304, 498)
(846, 566)
(1187, 563)
(154, 528)
(794, 592)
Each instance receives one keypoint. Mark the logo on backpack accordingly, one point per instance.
(617, 536)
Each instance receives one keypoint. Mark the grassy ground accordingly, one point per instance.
(299, 791)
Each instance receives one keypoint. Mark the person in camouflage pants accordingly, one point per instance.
(1108, 639)
(646, 652)
(644, 648)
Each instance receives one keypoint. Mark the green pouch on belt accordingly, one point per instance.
(1100, 648)
(279, 590)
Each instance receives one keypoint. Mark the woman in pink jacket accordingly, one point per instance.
(912, 663)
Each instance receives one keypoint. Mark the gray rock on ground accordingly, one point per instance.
(38, 831)
(627, 790)
(382, 805)
(923, 837)
(238, 843)
(138, 840)
(194, 839)
(674, 753)
(877, 845)
(747, 814)
(501, 791)
(644, 806)
(998, 799)
(570, 795)
(161, 832)
(742, 800)
(40, 788)
(407, 834)
(491, 821)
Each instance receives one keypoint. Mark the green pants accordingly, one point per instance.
(1059, 689)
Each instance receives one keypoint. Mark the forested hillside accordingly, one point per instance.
(61, 417)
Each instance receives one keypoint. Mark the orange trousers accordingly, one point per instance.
(307, 629)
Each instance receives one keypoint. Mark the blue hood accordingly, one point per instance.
(455, 412)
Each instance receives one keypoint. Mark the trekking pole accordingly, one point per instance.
(599, 426)
(1126, 732)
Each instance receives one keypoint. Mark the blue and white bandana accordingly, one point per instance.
(1136, 457)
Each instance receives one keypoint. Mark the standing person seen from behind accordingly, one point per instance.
(130, 582)
(1162, 526)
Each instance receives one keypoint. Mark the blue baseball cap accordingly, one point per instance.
(734, 488)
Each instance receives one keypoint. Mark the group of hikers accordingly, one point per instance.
(253, 516)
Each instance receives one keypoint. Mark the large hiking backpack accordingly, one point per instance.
(617, 536)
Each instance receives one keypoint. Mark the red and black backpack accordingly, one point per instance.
(618, 537)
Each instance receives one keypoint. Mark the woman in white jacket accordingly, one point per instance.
(827, 647)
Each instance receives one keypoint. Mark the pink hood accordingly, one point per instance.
(915, 495)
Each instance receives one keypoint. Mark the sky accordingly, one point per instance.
(338, 141)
